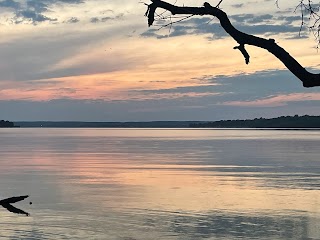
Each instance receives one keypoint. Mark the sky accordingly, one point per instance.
(97, 60)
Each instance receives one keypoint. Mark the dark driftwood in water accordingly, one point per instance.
(308, 79)
(6, 203)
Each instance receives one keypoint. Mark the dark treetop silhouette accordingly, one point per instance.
(308, 79)
(6, 124)
(6, 203)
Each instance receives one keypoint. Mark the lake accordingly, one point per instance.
(132, 184)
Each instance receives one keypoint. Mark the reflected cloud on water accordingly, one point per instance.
(148, 224)
(116, 184)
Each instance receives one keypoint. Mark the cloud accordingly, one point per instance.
(105, 19)
(37, 6)
(57, 11)
(57, 53)
(194, 26)
(271, 88)
(185, 89)
(241, 87)
(148, 110)
(33, 11)
(73, 20)
(10, 4)
(251, 18)
(240, 5)
(259, 85)
(32, 16)
(265, 24)
(279, 100)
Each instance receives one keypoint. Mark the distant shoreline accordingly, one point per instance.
(285, 122)
(7, 124)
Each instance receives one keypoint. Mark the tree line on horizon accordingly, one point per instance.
(6, 124)
(296, 121)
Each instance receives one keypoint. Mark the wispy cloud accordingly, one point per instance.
(265, 24)
(33, 11)
(240, 5)
(276, 101)
(37, 12)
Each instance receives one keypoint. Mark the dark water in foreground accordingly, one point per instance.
(183, 184)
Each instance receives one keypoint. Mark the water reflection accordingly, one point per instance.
(162, 184)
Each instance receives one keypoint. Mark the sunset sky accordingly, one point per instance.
(97, 60)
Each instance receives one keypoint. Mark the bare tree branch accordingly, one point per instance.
(310, 11)
(308, 79)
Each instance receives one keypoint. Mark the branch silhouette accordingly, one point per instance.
(308, 79)
(6, 203)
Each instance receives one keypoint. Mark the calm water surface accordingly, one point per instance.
(132, 184)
